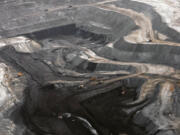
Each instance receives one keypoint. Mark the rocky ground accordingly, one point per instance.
(91, 67)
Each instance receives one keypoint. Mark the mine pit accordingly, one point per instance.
(89, 68)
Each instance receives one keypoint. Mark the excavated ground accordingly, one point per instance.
(87, 68)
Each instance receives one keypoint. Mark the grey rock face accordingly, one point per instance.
(89, 67)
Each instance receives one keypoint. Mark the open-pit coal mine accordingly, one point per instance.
(89, 67)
